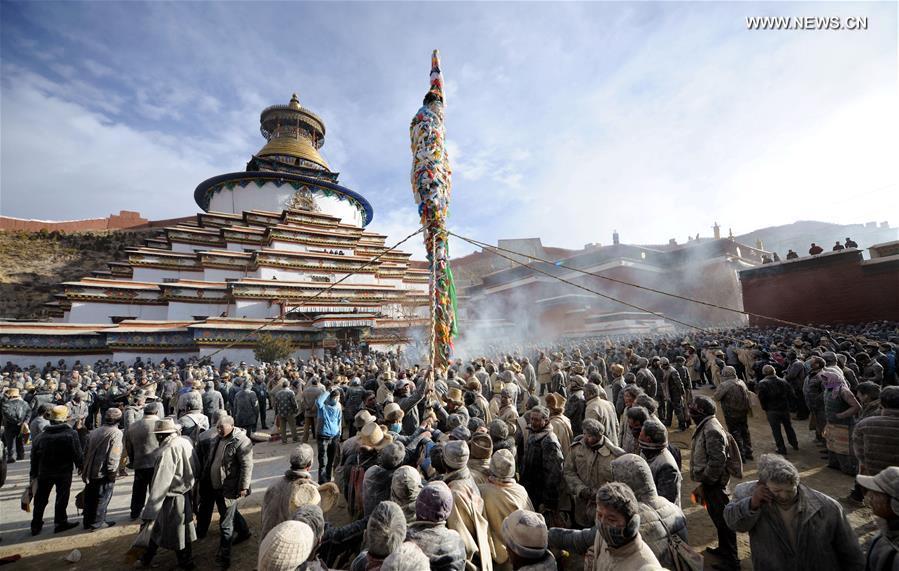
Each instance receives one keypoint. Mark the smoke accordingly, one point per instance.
(541, 309)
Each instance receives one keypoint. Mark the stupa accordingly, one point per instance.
(267, 250)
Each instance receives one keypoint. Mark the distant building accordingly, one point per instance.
(542, 307)
(832, 287)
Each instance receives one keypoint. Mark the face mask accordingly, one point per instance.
(618, 536)
(396, 427)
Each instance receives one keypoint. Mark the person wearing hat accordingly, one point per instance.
(544, 372)
(790, 525)
(262, 398)
(660, 519)
(733, 395)
(467, 516)
(245, 408)
(708, 468)
(502, 495)
(407, 557)
(558, 422)
(229, 466)
(54, 455)
(405, 485)
(286, 547)
(140, 446)
(212, 401)
(378, 478)
(644, 377)
(871, 369)
(282, 498)
(596, 407)
(42, 421)
(526, 540)
(795, 374)
(286, 411)
(443, 546)
(481, 448)
(393, 415)
(349, 451)
(384, 533)
(541, 468)
(190, 399)
(101, 464)
(15, 413)
(882, 495)
(587, 467)
(78, 413)
(665, 471)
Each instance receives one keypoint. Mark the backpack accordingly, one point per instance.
(734, 462)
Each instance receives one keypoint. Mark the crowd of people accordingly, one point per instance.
(524, 457)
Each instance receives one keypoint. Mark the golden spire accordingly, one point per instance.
(294, 102)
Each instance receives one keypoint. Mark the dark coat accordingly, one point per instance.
(875, 441)
(55, 452)
(775, 394)
(824, 540)
(541, 472)
(237, 462)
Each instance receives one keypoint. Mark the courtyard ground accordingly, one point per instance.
(105, 549)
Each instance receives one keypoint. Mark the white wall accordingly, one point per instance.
(219, 275)
(99, 312)
(297, 275)
(129, 356)
(157, 275)
(270, 197)
(256, 309)
(238, 354)
(180, 310)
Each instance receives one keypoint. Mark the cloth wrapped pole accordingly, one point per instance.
(431, 188)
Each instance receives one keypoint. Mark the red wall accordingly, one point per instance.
(124, 219)
(830, 288)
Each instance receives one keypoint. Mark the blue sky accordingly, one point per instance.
(565, 120)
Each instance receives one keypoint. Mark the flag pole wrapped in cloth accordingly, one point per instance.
(431, 188)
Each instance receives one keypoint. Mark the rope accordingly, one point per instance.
(659, 315)
(281, 318)
(647, 288)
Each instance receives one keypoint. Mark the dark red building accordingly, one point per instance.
(833, 287)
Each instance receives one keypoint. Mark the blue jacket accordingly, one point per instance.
(330, 416)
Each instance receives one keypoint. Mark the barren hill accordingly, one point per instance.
(32, 264)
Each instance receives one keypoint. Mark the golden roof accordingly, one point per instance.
(299, 147)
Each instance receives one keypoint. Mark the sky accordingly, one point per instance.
(565, 121)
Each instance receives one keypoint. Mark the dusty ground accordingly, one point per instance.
(105, 549)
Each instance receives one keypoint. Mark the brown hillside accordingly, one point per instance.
(32, 264)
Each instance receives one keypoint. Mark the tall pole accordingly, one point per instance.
(431, 188)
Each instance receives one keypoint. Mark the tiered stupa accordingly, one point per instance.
(271, 239)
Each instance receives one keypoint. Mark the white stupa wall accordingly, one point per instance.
(252, 308)
(183, 311)
(221, 274)
(296, 275)
(274, 199)
(158, 275)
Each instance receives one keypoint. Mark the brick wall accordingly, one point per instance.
(830, 288)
